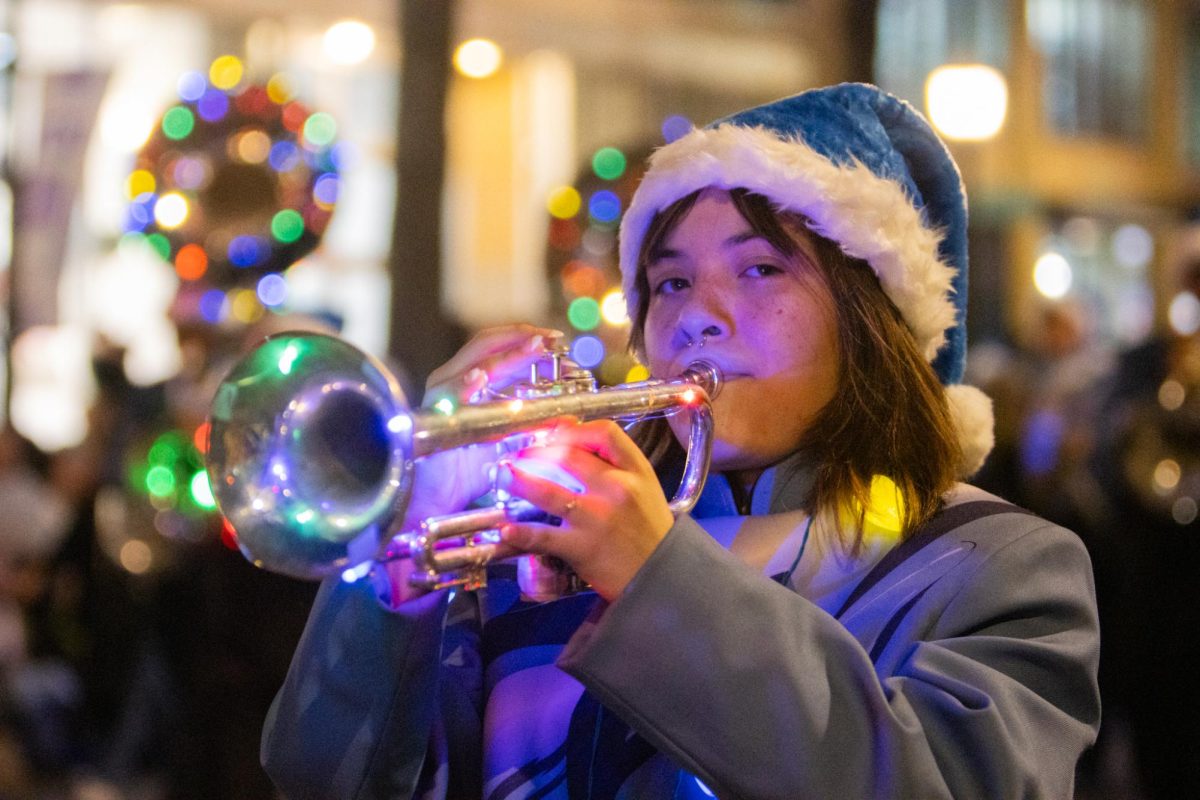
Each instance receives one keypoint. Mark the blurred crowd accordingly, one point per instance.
(1107, 442)
(149, 677)
(139, 650)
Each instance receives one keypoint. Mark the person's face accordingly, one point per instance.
(765, 318)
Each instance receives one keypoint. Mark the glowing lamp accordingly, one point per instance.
(171, 210)
(967, 102)
(612, 308)
(349, 42)
(1052, 275)
(478, 58)
(1184, 313)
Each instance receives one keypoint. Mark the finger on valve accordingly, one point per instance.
(495, 357)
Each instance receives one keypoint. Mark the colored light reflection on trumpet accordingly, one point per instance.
(313, 448)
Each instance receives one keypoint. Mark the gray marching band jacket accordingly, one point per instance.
(961, 665)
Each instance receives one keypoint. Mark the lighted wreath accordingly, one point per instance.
(237, 182)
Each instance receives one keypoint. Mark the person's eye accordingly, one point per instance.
(670, 286)
(763, 270)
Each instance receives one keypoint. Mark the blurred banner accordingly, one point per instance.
(47, 179)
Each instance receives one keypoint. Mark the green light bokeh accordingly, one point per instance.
(584, 313)
(202, 491)
(178, 123)
(161, 245)
(319, 129)
(160, 481)
(608, 163)
(287, 226)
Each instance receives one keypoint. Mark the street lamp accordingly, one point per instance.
(966, 102)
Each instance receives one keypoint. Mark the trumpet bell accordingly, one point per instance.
(309, 454)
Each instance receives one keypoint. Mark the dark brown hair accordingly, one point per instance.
(889, 414)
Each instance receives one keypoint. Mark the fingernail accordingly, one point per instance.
(475, 375)
(504, 474)
(535, 344)
(507, 532)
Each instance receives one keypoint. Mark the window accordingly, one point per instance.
(913, 37)
(1095, 56)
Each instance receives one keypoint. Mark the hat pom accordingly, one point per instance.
(971, 411)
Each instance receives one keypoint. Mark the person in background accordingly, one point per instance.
(839, 615)
(1147, 464)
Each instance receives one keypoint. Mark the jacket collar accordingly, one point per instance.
(782, 487)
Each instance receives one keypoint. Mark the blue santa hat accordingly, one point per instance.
(867, 172)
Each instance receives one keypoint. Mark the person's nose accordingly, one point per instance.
(703, 320)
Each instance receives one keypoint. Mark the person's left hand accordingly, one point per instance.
(609, 529)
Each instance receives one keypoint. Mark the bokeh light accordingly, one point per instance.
(213, 106)
(135, 557)
(247, 251)
(1183, 313)
(191, 86)
(1052, 275)
(160, 245)
(348, 42)
(675, 127)
(966, 101)
(191, 262)
(214, 306)
(319, 129)
(564, 202)
(584, 313)
(287, 225)
(284, 156)
(245, 307)
(580, 278)
(1132, 246)
(225, 72)
(272, 290)
(191, 172)
(587, 351)
(279, 89)
(201, 491)
(325, 190)
(604, 207)
(171, 210)
(253, 146)
(613, 308)
(608, 163)
(478, 58)
(178, 123)
(140, 181)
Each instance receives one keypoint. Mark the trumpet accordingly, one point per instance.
(313, 449)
